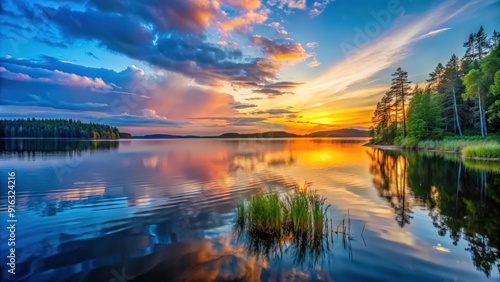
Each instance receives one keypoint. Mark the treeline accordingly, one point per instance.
(460, 98)
(58, 128)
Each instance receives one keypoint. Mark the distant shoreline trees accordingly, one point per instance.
(57, 128)
(460, 98)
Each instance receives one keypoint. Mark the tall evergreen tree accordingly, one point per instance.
(473, 82)
(477, 46)
(495, 39)
(384, 129)
(400, 87)
(452, 86)
(436, 78)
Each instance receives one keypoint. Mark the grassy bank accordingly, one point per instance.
(482, 151)
(468, 146)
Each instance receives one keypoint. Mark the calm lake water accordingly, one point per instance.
(164, 210)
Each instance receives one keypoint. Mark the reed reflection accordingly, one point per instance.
(463, 201)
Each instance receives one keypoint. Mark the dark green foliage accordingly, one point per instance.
(58, 128)
(424, 116)
(125, 135)
(491, 69)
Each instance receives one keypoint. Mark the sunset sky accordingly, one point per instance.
(209, 67)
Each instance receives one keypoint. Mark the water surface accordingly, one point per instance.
(145, 210)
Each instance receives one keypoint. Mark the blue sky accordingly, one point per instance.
(208, 67)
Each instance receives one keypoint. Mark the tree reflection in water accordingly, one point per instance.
(463, 201)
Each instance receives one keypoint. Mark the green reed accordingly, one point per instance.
(300, 212)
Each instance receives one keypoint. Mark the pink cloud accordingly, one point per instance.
(72, 79)
(243, 23)
(274, 24)
(291, 4)
(312, 45)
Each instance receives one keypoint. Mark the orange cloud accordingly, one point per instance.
(243, 4)
(286, 51)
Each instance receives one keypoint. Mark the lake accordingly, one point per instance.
(165, 210)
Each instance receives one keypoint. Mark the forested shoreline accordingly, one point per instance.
(57, 128)
(460, 101)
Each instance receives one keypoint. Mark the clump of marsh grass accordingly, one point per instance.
(296, 224)
(301, 211)
(265, 213)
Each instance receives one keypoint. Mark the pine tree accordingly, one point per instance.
(495, 39)
(436, 78)
(477, 46)
(400, 87)
(473, 82)
(452, 86)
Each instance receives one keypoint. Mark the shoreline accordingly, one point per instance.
(384, 147)
(396, 148)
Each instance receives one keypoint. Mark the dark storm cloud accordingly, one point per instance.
(184, 16)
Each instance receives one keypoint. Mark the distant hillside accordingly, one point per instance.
(340, 133)
(269, 134)
(166, 136)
